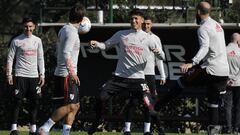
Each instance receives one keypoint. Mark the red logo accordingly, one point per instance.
(232, 53)
(218, 28)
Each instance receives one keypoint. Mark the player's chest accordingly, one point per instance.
(134, 40)
(27, 45)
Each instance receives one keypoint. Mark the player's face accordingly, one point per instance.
(147, 25)
(29, 28)
(136, 22)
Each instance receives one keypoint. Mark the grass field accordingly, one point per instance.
(98, 133)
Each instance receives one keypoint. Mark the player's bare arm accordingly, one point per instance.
(162, 82)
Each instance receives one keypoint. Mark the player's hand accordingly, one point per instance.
(156, 50)
(10, 80)
(75, 79)
(93, 43)
(184, 67)
(41, 81)
(162, 82)
(230, 82)
(153, 93)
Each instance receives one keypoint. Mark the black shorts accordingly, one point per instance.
(151, 82)
(65, 91)
(118, 84)
(198, 77)
(26, 88)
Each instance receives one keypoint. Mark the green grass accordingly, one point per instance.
(84, 133)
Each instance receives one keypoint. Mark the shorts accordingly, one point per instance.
(198, 77)
(151, 82)
(26, 88)
(66, 92)
(116, 85)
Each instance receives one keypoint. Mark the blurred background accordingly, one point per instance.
(174, 23)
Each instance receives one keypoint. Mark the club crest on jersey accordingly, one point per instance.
(16, 91)
(71, 96)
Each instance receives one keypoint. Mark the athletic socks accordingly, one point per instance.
(33, 128)
(47, 125)
(127, 127)
(147, 127)
(213, 115)
(66, 129)
(14, 127)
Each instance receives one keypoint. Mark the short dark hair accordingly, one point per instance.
(136, 11)
(148, 18)
(77, 12)
(27, 19)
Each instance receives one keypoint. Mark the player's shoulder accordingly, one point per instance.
(68, 30)
(123, 31)
(154, 36)
(36, 39)
(18, 38)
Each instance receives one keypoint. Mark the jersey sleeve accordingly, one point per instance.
(114, 40)
(159, 62)
(237, 76)
(161, 70)
(155, 43)
(203, 39)
(67, 49)
(40, 59)
(10, 58)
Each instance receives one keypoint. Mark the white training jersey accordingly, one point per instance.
(135, 47)
(212, 48)
(67, 51)
(152, 60)
(233, 53)
(28, 53)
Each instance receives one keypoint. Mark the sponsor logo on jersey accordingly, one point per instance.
(232, 53)
(218, 28)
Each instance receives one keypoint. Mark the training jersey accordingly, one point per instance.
(67, 51)
(233, 53)
(28, 53)
(134, 50)
(212, 48)
(152, 60)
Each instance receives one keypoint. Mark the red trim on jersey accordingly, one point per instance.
(70, 66)
(66, 81)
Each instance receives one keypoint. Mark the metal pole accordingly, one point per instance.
(42, 6)
(196, 107)
(110, 11)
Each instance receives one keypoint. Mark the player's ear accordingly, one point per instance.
(142, 20)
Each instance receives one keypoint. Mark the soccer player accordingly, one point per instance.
(66, 79)
(135, 46)
(213, 71)
(27, 52)
(232, 96)
(151, 82)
